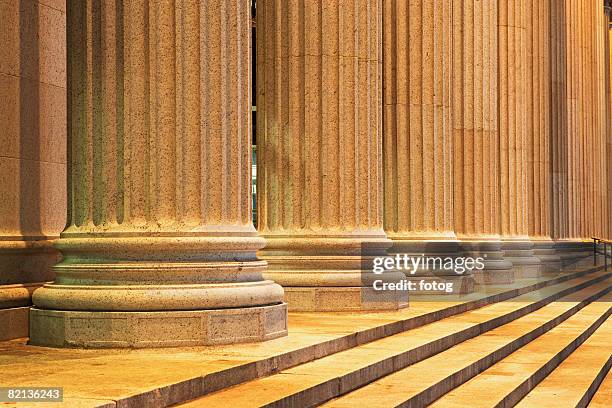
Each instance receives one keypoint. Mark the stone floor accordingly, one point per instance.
(162, 377)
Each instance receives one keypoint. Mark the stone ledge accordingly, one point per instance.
(55, 328)
(14, 323)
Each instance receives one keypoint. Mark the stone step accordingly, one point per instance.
(603, 395)
(425, 381)
(516, 375)
(575, 381)
(347, 332)
(344, 371)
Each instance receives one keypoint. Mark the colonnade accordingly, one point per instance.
(459, 128)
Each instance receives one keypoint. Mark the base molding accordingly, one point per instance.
(60, 328)
(494, 277)
(343, 298)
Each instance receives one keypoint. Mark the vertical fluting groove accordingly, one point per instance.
(223, 117)
(418, 182)
(475, 129)
(538, 113)
(512, 130)
(561, 118)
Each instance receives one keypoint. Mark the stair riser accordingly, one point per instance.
(435, 391)
(350, 382)
(517, 394)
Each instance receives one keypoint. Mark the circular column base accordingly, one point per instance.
(17, 295)
(343, 298)
(571, 252)
(545, 251)
(61, 328)
(497, 270)
(521, 253)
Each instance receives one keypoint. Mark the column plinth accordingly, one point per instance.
(160, 249)
(320, 153)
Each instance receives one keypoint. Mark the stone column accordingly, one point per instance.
(160, 246)
(320, 151)
(514, 204)
(476, 136)
(603, 135)
(32, 153)
(538, 120)
(590, 157)
(608, 111)
(565, 129)
(417, 137)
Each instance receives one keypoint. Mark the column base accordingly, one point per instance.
(440, 250)
(64, 328)
(572, 251)
(524, 262)
(343, 298)
(15, 301)
(545, 251)
(332, 273)
(497, 270)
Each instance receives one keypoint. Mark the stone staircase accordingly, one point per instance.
(526, 346)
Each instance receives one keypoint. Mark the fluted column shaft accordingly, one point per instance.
(320, 147)
(512, 114)
(417, 129)
(579, 172)
(608, 110)
(560, 120)
(159, 186)
(417, 120)
(538, 135)
(603, 119)
(512, 30)
(476, 136)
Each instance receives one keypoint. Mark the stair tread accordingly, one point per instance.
(569, 382)
(520, 366)
(328, 369)
(409, 382)
(603, 396)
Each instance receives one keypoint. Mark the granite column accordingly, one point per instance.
(512, 30)
(320, 152)
(160, 249)
(476, 136)
(417, 135)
